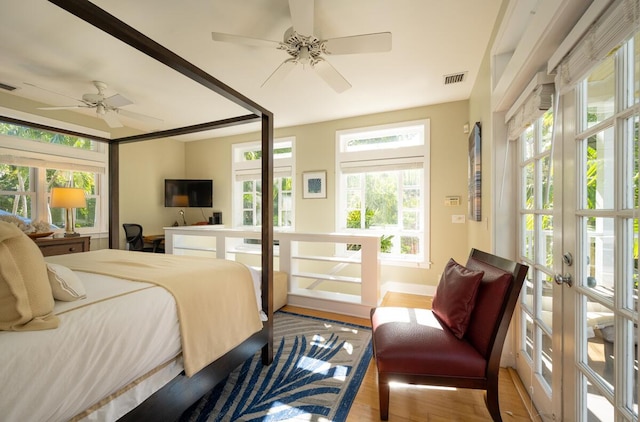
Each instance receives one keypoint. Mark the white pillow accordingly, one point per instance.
(65, 284)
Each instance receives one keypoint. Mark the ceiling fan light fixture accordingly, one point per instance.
(101, 110)
(303, 55)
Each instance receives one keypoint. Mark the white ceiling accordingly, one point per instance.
(47, 47)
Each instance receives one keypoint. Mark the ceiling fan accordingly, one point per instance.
(306, 49)
(107, 108)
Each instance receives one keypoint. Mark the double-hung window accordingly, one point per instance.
(247, 185)
(383, 186)
(33, 161)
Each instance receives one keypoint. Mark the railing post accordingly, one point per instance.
(370, 272)
(285, 262)
(221, 246)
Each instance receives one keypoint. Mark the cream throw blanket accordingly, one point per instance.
(215, 298)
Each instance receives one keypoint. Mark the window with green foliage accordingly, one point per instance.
(33, 161)
(247, 186)
(383, 187)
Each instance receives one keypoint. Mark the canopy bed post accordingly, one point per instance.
(114, 195)
(267, 231)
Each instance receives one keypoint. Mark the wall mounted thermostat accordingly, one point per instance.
(452, 201)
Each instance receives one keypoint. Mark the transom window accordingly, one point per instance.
(383, 180)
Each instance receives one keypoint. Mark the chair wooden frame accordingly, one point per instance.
(489, 382)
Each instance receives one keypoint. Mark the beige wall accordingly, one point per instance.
(143, 168)
(315, 150)
(480, 232)
(496, 231)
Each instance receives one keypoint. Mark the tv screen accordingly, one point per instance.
(188, 193)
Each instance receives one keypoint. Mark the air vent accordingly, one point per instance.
(7, 87)
(454, 78)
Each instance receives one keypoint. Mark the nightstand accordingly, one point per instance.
(63, 245)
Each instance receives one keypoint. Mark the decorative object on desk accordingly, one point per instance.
(183, 219)
(217, 217)
(475, 174)
(36, 235)
(315, 375)
(68, 198)
(314, 184)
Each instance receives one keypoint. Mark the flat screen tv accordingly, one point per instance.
(188, 193)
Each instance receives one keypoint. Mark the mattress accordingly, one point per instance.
(123, 333)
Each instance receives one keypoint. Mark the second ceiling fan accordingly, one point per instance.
(306, 49)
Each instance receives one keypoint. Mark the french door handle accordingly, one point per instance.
(564, 279)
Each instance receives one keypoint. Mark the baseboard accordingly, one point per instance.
(522, 392)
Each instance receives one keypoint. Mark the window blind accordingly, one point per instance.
(615, 25)
(253, 174)
(536, 101)
(389, 164)
(49, 164)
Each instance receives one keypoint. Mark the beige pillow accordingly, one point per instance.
(65, 284)
(26, 301)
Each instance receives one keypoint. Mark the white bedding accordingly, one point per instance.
(89, 356)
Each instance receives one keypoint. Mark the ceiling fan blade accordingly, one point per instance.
(53, 92)
(331, 76)
(366, 43)
(62, 107)
(239, 39)
(302, 16)
(111, 119)
(116, 101)
(138, 116)
(280, 73)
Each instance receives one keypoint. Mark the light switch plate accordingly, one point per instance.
(457, 219)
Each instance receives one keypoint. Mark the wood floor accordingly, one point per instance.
(409, 403)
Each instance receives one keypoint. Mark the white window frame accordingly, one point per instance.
(252, 170)
(41, 155)
(403, 156)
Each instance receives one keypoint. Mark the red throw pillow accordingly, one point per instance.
(456, 296)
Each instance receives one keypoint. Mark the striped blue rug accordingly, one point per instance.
(315, 375)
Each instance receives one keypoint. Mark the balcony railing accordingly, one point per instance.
(324, 271)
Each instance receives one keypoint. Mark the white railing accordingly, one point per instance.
(325, 271)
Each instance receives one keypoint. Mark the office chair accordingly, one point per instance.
(133, 233)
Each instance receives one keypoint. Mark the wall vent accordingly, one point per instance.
(455, 78)
(7, 87)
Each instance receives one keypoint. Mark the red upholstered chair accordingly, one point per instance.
(416, 346)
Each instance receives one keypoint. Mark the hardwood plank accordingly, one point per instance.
(412, 403)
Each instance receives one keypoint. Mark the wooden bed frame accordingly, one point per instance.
(170, 401)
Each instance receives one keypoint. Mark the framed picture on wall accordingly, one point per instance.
(314, 184)
(475, 174)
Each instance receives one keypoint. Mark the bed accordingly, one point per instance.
(170, 394)
(123, 326)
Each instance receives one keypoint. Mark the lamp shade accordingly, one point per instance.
(68, 198)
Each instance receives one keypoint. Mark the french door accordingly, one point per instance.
(578, 320)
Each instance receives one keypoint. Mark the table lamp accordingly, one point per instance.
(68, 198)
